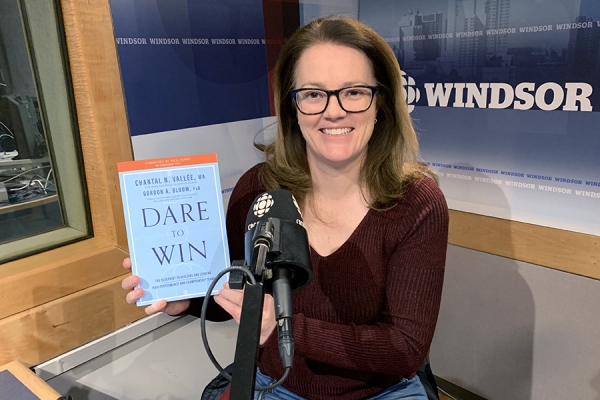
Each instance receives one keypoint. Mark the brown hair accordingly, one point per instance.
(391, 159)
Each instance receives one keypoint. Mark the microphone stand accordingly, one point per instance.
(243, 380)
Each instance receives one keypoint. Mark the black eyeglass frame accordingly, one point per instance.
(336, 93)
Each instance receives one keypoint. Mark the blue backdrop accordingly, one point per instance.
(504, 94)
(521, 141)
(189, 63)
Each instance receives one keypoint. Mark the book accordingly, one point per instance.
(175, 225)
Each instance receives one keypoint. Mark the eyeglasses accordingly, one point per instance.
(354, 99)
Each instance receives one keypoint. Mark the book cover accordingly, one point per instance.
(175, 225)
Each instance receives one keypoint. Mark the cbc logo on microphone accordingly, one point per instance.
(412, 94)
(263, 205)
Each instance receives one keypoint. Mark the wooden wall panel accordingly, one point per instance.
(60, 299)
(100, 110)
(61, 325)
(74, 268)
(567, 251)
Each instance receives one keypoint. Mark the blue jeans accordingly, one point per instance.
(406, 389)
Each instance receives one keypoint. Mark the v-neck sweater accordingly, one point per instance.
(368, 316)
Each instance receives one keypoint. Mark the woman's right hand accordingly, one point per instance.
(130, 282)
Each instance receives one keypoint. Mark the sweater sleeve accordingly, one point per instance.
(399, 341)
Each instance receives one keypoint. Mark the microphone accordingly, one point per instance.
(275, 221)
(276, 238)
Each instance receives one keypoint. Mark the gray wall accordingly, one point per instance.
(513, 330)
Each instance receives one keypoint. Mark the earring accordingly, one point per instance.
(375, 120)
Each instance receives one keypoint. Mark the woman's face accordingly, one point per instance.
(335, 138)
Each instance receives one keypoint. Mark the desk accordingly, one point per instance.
(34, 387)
(26, 162)
(28, 204)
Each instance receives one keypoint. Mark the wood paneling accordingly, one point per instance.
(567, 251)
(61, 325)
(100, 110)
(55, 301)
(72, 268)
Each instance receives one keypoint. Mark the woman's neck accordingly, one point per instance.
(335, 206)
(334, 183)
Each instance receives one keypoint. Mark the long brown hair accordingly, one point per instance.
(392, 151)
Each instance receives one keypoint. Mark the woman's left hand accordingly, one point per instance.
(231, 301)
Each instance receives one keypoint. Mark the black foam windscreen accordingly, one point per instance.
(289, 247)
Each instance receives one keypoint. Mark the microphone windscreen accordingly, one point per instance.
(279, 204)
(289, 247)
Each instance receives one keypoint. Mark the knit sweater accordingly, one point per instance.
(367, 318)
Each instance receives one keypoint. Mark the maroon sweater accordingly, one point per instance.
(367, 318)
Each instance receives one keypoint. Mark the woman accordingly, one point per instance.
(377, 224)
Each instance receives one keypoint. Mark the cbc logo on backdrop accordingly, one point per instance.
(549, 96)
(412, 94)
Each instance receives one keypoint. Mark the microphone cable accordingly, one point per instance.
(212, 358)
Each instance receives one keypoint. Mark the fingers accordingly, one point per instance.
(231, 301)
(176, 307)
(134, 295)
(268, 319)
(232, 295)
(269, 305)
(130, 282)
(156, 307)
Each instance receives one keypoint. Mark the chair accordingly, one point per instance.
(428, 380)
(217, 387)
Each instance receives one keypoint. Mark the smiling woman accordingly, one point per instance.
(334, 135)
(342, 53)
(346, 148)
(376, 223)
